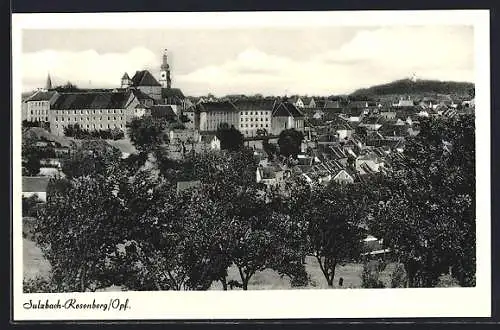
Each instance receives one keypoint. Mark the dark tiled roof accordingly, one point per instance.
(125, 76)
(286, 109)
(141, 95)
(172, 93)
(144, 78)
(254, 104)
(35, 183)
(41, 96)
(162, 111)
(215, 106)
(91, 100)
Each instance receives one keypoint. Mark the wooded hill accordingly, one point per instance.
(418, 87)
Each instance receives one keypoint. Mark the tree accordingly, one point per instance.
(425, 210)
(147, 133)
(230, 138)
(270, 148)
(78, 231)
(93, 157)
(335, 215)
(289, 142)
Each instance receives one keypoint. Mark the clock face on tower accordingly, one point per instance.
(163, 75)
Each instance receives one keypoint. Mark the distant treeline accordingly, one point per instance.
(407, 86)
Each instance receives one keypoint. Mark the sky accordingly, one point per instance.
(270, 61)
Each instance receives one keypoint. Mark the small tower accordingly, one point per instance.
(165, 80)
(125, 81)
(48, 84)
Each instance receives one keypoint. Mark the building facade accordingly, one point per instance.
(285, 115)
(93, 110)
(38, 105)
(208, 116)
(254, 115)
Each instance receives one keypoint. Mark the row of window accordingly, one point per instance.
(251, 125)
(38, 102)
(256, 119)
(88, 118)
(256, 113)
(38, 112)
(87, 112)
(95, 126)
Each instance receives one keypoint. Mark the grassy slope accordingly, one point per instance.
(35, 265)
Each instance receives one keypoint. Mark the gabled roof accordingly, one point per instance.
(92, 100)
(125, 76)
(42, 96)
(224, 106)
(262, 104)
(162, 111)
(140, 94)
(35, 183)
(172, 93)
(144, 78)
(286, 109)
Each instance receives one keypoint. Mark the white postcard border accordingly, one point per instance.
(347, 303)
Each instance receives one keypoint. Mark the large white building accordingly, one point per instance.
(254, 115)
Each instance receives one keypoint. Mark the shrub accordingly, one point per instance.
(447, 281)
(370, 275)
(398, 277)
(38, 285)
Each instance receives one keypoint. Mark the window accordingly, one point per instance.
(241, 125)
(266, 125)
(32, 112)
(261, 119)
(108, 125)
(267, 119)
(246, 112)
(251, 125)
(241, 113)
(108, 119)
(87, 125)
(62, 118)
(251, 119)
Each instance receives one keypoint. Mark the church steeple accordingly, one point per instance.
(165, 80)
(48, 84)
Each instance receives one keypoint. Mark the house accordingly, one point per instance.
(145, 82)
(371, 123)
(298, 102)
(209, 141)
(177, 136)
(175, 99)
(255, 114)
(343, 176)
(353, 115)
(404, 103)
(285, 115)
(94, 110)
(208, 116)
(35, 185)
(369, 163)
(163, 111)
(37, 106)
(272, 176)
(387, 114)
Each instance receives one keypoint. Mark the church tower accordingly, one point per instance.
(48, 84)
(165, 80)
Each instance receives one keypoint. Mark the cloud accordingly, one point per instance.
(85, 68)
(371, 56)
